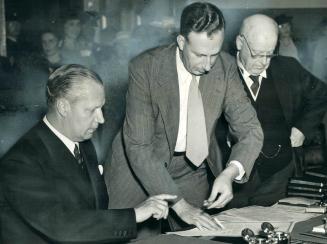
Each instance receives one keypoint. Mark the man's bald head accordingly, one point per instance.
(256, 42)
(259, 28)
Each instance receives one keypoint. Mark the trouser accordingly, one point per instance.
(192, 182)
(128, 193)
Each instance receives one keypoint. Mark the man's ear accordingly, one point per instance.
(239, 42)
(181, 42)
(62, 106)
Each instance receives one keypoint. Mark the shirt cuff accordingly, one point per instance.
(240, 169)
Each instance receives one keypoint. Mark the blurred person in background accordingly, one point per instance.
(51, 52)
(14, 46)
(286, 45)
(90, 39)
(71, 32)
(71, 44)
(317, 51)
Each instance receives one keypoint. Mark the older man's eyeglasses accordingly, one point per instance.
(258, 56)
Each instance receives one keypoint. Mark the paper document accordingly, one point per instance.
(282, 217)
(319, 229)
(234, 229)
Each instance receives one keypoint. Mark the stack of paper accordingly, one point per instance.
(319, 229)
(234, 229)
(282, 217)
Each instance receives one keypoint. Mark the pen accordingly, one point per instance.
(219, 223)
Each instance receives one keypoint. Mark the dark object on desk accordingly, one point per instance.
(267, 235)
(307, 181)
(318, 173)
(305, 194)
(310, 185)
(248, 235)
(302, 231)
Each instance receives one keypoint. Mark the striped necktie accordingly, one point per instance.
(256, 84)
(79, 157)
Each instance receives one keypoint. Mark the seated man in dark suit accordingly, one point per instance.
(290, 104)
(51, 187)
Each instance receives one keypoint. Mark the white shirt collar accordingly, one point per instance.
(68, 143)
(183, 74)
(246, 77)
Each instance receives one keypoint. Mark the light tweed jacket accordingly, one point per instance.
(143, 149)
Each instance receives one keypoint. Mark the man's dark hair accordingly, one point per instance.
(201, 17)
(62, 80)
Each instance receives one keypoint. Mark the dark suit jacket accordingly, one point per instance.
(303, 97)
(45, 198)
(143, 150)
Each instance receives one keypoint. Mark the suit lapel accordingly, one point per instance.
(284, 96)
(99, 189)
(210, 86)
(65, 165)
(168, 96)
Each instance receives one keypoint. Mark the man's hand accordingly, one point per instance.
(222, 186)
(297, 137)
(155, 206)
(195, 216)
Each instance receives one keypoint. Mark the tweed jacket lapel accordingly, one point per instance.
(211, 85)
(168, 96)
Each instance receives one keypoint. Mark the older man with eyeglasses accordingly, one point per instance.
(289, 101)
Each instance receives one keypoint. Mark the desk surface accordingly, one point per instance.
(174, 239)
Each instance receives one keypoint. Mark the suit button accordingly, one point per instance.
(166, 165)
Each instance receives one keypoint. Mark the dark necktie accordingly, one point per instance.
(79, 157)
(255, 85)
(196, 133)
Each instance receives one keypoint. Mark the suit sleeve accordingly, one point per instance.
(30, 193)
(243, 123)
(139, 133)
(313, 101)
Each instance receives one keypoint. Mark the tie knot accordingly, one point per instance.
(194, 79)
(255, 78)
(255, 86)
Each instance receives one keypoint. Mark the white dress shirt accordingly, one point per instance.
(68, 143)
(248, 80)
(184, 81)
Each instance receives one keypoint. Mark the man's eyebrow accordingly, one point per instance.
(201, 54)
